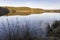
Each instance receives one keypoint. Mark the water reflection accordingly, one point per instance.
(13, 27)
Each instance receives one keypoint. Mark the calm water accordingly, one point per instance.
(36, 24)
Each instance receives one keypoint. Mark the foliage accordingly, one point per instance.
(55, 33)
(3, 11)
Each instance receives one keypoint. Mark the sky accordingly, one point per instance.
(45, 4)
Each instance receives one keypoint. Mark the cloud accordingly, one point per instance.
(45, 4)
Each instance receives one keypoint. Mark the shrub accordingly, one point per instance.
(3, 11)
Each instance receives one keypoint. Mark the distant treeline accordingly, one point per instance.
(4, 11)
(57, 11)
(23, 10)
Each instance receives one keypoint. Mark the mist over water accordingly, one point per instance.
(35, 24)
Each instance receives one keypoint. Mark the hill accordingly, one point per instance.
(23, 10)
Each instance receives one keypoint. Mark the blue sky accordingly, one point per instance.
(45, 4)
